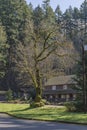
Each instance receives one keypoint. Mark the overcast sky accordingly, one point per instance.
(63, 3)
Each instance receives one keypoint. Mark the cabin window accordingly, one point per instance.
(65, 87)
(53, 87)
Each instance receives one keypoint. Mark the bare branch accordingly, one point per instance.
(41, 59)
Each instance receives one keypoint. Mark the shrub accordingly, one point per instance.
(79, 106)
(70, 106)
(9, 95)
(74, 106)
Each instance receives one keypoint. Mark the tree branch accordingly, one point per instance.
(41, 59)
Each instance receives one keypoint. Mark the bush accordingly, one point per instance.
(74, 106)
(79, 106)
(70, 106)
(9, 95)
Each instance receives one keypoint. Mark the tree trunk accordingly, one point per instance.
(39, 86)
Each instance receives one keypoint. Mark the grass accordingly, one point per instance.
(43, 113)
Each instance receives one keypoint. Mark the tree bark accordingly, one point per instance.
(39, 86)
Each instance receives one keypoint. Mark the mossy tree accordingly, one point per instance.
(43, 42)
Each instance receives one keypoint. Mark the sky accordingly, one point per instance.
(64, 4)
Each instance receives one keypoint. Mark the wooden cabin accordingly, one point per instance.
(60, 89)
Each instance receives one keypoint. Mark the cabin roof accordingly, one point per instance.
(61, 80)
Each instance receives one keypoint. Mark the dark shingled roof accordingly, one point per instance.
(60, 80)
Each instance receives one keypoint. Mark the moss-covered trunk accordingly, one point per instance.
(38, 87)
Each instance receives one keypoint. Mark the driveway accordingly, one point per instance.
(10, 123)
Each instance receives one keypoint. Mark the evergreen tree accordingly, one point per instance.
(68, 23)
(76, 14)
(3, 51)
(58, 14)
(14, 15)
(49, 14)
(38, 15)
(83, 17)
(81, 80)
(83, 10)
(30, 9)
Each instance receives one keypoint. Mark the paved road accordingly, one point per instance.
(10, 123)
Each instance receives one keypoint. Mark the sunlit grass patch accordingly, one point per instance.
(43, 113)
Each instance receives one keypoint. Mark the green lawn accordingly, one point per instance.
(43, 113)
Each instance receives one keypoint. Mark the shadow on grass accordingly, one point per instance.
(38, 113)
(48, 114)
(20, 110)
(28, 108)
